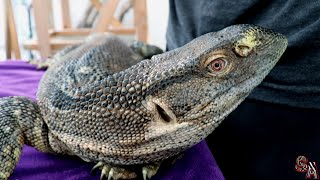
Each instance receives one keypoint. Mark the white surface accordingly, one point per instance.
(158, 11)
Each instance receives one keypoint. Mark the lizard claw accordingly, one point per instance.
(106, 170)
(110, 176)
(97, 166)
(150, 170)
(111, 172)
(144, 173)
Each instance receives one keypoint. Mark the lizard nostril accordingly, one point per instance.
(163, 114)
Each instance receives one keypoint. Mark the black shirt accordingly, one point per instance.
(295, 80)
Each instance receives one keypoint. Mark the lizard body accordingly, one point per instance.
(101, 102)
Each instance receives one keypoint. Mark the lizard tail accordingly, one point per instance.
(20, 123)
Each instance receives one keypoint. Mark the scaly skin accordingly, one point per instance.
(99, 102)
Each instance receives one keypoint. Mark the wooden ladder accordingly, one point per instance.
(10, 32)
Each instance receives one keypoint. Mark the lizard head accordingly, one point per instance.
(190, 90)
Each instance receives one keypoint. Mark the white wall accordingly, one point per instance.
(158, 11)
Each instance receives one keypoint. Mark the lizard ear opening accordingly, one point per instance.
(242, 50)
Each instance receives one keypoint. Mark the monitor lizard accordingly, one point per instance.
(101, 102)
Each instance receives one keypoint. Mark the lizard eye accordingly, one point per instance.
(217, 66)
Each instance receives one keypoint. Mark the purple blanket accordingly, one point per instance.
(20, 78)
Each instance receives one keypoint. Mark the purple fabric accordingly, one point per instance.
(20, 78)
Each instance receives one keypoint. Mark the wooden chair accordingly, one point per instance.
(46, 42)
(10, 32)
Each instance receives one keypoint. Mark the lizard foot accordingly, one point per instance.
(112, 172)
(40, 64)
(146, 51)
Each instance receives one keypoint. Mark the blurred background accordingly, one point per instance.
(64, 22)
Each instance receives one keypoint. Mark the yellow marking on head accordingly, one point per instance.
(250, 39)
(244, 46)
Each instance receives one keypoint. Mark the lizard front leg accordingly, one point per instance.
(20, 123)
